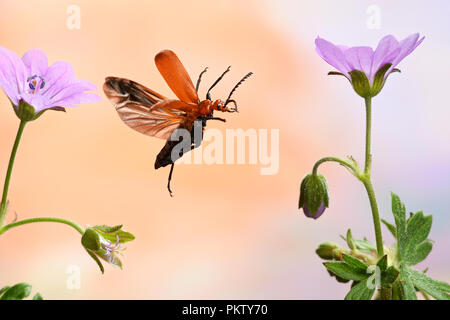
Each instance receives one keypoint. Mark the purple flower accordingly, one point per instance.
(318, 212)
(31, 81)
(110, 251)
(367, 69)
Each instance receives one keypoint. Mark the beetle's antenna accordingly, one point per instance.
(234, 89)
(208, 96)
(200, 78)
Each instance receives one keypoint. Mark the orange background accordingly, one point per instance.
(228, 232)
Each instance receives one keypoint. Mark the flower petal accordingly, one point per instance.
(318, 213)
(77, 86)
(407, 46)
(37, 101)
(36, 62)
(359, 58)
(13, 74)
(387, 49)
(75, 99)
(10, 91)
(57, 76)
(333, 55)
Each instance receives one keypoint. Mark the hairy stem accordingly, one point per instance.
(368, 158)
(365, 179)
(42, 219)
(385, 293)
(4, 203)
(346, 164)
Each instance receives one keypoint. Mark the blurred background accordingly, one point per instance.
(229, 232)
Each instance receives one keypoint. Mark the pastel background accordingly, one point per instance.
(229, 233)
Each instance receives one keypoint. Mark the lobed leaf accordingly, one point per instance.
(437, 289)
(17, 292)
(361, 291)
(389, 276)
(346, 271)
(390, 227)
(355, 263)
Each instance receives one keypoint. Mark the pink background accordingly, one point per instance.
(228, 232)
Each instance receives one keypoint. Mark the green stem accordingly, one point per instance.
(346, 164)
(375, 214)
(365, 179)
(4, 203)
(385, 293)
(43, 219)
(368, 162)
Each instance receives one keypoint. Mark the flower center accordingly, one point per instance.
(36, 83)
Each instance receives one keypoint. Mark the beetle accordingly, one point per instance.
(150, 113)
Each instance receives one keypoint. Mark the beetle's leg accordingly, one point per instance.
(217, 118)
(170, 178)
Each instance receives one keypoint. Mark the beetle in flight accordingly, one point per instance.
(150, 113)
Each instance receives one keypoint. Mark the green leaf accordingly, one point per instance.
(437, 289)
(346, 271)
(17, 292)
(382, 263)
(417, 231)
(38, 296)
(338, 279)
(407, 289)
(361, 291)
(390, 227)
(421, 252)
(399, 211)
(413, 245)
(365, 246)
(97, 260)
(350, 241)
(355, 263)
(4, 289)
(389, 276)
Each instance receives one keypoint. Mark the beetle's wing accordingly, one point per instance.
(176, 76)
(144, 110)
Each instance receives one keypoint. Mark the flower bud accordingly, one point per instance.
(105, 242)
(313, 195)
(329, 251)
